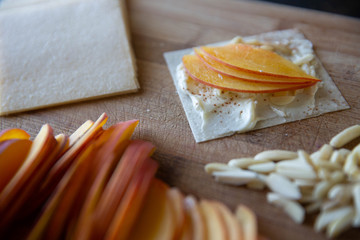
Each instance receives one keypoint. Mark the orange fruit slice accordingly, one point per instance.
(256, 60)
(198, 71)
(245, 75)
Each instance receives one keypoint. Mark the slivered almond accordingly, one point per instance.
(283, 186)
(336, 158)
(297, 168)
(339, 156)
(305, 157)
(351, 165)
(295, 164)
(345, 136)
(324, 174)
(296, 174)
(345, 152)
(276, 155)
(326, 217)
(321, 189)
(325, 152)
(292, 208)
(235, 177)
(245, 162)
(328, 165)
(212, 167)
(356, 150)
(304, 182)
(262, 167)
(356, 197)
(339, 225)
(314, 155)
(337, 177)
(341, 193)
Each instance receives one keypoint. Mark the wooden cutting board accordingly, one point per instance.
(159, 26)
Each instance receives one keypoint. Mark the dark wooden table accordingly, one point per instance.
(159, 26)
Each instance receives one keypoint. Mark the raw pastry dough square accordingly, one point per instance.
(56, 52)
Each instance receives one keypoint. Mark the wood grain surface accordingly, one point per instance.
(158, 26)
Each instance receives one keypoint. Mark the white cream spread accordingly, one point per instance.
(225, 112)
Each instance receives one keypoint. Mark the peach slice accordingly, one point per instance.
(55, 213)
(12, 154)
(41, 148)
(29, 192)
(156, 221)
(69, 199)
(90, 134)
(75, 136)
(113, 141)
(248, 221)
(13, 133)
(66, 205)
(177, 203)
(257, 60)
(197, 220)
(132, 202)
(61, 166)
(133, 158)
(64, 141)
(214, 222)
(240, 74)
(106, 158)
(187, 231)
(33, 193)
(198, 71)
(233, 226)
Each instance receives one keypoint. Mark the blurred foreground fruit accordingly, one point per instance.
(99, 184)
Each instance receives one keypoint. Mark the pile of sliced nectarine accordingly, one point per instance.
(245, 68)
(100, 184)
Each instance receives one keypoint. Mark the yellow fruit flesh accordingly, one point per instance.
(200, 72)
(244, 74)
(256, 60)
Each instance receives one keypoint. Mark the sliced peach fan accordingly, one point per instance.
(107, 191)
(198, 71)
(256, 60)
(245, 75)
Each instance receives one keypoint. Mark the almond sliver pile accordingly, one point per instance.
(326, 182)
